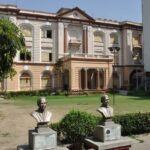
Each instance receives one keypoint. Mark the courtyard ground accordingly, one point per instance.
(15, 121)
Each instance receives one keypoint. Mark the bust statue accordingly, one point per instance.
(105, 109)
(41, 115)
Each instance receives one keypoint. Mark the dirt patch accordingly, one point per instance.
(15, 121)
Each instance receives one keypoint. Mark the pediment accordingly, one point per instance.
(75, 13)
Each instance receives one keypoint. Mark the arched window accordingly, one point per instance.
(26, 30)
(75, 41)
(98, 37)
(136, 79)
(136, 39)
(114, 38)
(74, 35)
(46, 43)
(25, 81)
(46, 80)
(46, 32)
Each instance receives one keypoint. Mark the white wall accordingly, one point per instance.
(146, 33)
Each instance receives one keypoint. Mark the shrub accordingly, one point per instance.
(56, 127)
(76, 125)
(136, 123)
(45, 92)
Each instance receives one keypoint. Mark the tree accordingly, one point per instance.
(11, 41)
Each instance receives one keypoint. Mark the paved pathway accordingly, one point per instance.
(144, 144)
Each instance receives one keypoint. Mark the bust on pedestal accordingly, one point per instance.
(41, 115)
(107, 135)
(108, 130)
(42, 137)
(105, 109)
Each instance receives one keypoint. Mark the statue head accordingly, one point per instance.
(105, 109)
(41, 102)
(105, 100)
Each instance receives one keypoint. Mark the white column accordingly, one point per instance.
(60, 39)
(84, 40)
(36, 51)
(65, 38)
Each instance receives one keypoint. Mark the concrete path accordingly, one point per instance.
(143, 142)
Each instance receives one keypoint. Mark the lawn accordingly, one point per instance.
(123, 104)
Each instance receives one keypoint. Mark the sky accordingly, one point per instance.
(120, 10)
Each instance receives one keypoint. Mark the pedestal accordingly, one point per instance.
(124, 143)
(42, 139)
(108, 137)
(107, 132)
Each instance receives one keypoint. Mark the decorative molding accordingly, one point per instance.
(25, 67)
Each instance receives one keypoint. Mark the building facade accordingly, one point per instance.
(69, 50)
(146, 40)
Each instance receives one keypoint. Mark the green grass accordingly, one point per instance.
(123, 104)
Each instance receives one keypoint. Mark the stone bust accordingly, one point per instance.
(105, 109)
(41, 115)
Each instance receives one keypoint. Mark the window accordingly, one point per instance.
(75, 41)
(98, 37)
(25, 81)
(46, 57)
(46, 34)
(113, 38)
(98, 42)
(137, 55)
(136, 40)
(27, 31)
(25, 56)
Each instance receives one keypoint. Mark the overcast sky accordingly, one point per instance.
(120, 10)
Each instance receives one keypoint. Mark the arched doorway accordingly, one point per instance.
(147, 81)
(115, 80)
(101, 76)
(91, 77)
(66, 80)
(25, 81)
(136, 78)
(82, 78)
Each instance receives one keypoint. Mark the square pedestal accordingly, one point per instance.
(107, 132)
(124, 143)
(43, 140)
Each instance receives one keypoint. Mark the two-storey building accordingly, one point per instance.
(69, 49)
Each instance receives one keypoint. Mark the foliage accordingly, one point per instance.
(11, 40)
(56, 127)
(77, 125)
(31, 93)
(135, 123)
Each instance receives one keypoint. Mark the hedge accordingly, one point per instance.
(29, 93)
(76, 125)
(135, 123)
